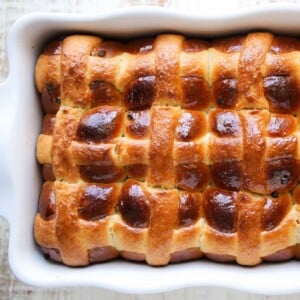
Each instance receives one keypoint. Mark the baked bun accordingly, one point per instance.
(169, 149)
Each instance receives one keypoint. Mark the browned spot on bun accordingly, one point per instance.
(102, 174)
(225, 92)
(281, 125)
(189, 209)
(281, 174)
(137, 123)
(229, 45)
(228, 175)
(225, 123)
(196, 93)
(134, 205)
(193, 45)
(100, 124)
(140, 46)
(274, 211)
(108, 49)
(104, 93)
(191, 125)
(96, 202)
(220, 210)
(140, 93)
(282, 45)
(192, 177)
(281, 92)
(53, 48)
(137, 171)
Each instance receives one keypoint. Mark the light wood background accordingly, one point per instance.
(12, 288)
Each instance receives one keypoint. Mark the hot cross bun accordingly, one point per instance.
(169, 149)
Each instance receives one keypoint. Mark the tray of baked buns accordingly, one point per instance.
(148, 149)
(169, 149)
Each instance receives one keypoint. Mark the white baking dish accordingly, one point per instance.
(20, 123)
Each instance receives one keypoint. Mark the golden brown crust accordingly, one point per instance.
(167, 49)
(254, 123)
(164, 205)
(161, 171)
(167, 149)
(248, 230)
(252, 57)
(62, 161)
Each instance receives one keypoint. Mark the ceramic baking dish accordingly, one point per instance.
(20, 179)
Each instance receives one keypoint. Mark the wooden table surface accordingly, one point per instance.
(12, 288)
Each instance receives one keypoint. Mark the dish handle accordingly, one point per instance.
(6, 118)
